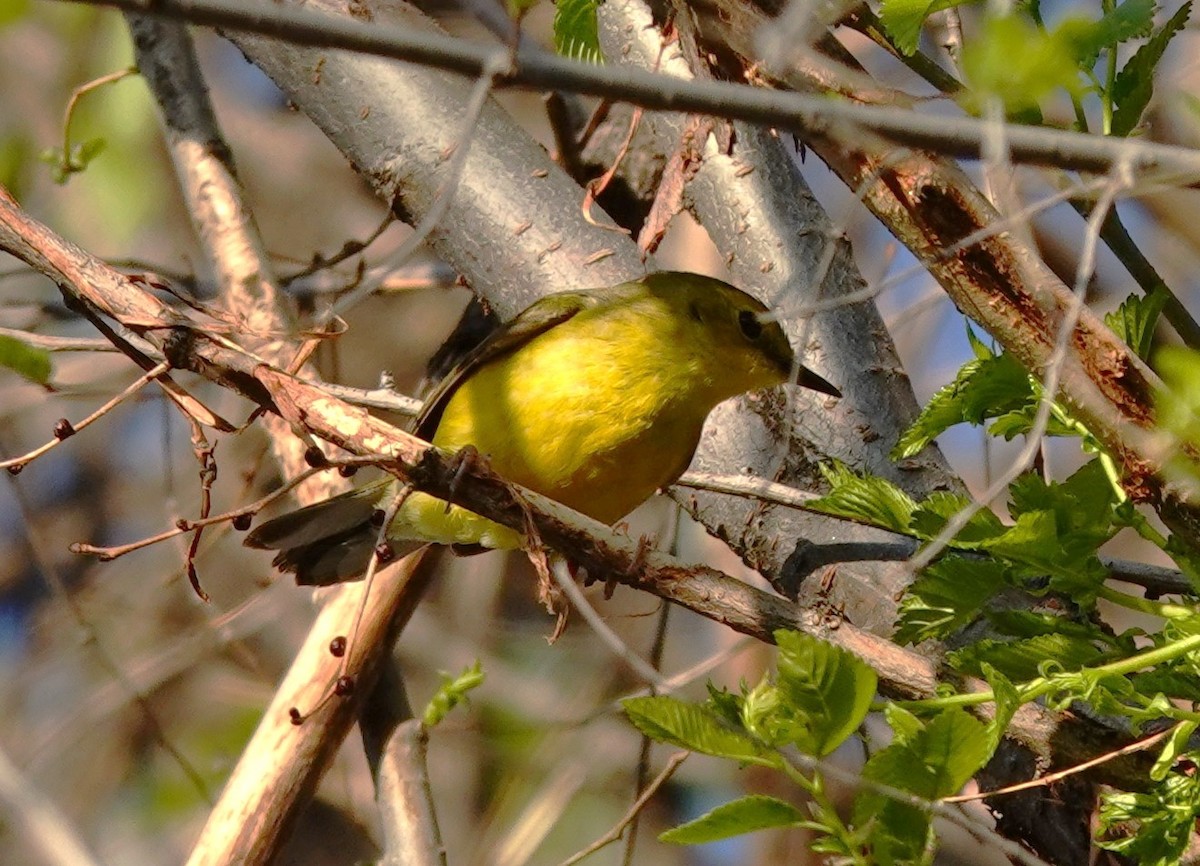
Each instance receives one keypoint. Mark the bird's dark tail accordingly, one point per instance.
(330, 541)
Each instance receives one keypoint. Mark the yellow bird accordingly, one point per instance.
(594, 398)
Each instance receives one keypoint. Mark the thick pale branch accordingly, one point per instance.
(931, 205)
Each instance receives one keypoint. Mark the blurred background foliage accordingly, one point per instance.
(108, 668)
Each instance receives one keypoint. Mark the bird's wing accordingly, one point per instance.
(538, 318)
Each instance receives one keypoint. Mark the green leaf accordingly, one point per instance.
(1175, 746)
(947, 596)
(698, 729)
(936, 762)
(755, 812)
(25, 360)
(763, 715)
(826, 687)
(1152, 828)
(1024, 660)
(1178, 407)
(1020, 421)
(452, 692)
(725, 704)
(1180, 683)
(1018, 63)
(954, 748)
(1134, 84)
(904, 724)
(899, 831)
(984, 388)
(903, 19)
(1036, 542)
(933, 512)
(576, 32)
(1086, 39)
(1083, 505)
(1007, 702)
(870, 499)
(1135, 319)
(1027, 623)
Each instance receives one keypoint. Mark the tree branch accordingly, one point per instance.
(794, 112)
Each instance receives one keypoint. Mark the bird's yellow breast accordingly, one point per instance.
(549, 417)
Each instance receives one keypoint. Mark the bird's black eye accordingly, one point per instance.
(751, 327)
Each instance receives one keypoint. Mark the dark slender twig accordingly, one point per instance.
(1116, 236)
(865, 21)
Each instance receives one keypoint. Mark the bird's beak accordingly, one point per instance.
(806, 378)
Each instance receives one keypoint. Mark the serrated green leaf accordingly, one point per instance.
(1024, 660)
(955, 747)
(1036, 542)
(1135, 319)
(899, 831)
(1086, 39)
(1134, 84)
(1152, 828)
(933, 512)
(827, 688)
(25, 360)
(576, 31)
(670, 720)
(867, 498)
(1027, 623)
(754, 812)
(904, 724)
(948, 595)
(1187, 559)
(903, 19)
(935, 762)
(983, 388)
(1083, 505)
(1180, 684)
(979, 348)
(1020, 421)
(765, 717)
(725, 704)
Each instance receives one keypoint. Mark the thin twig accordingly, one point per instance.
(649, 791)
(59, 344)
(793, 112)
(1139, 746)
(610, 638)
(65, 429)
(107, 554)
